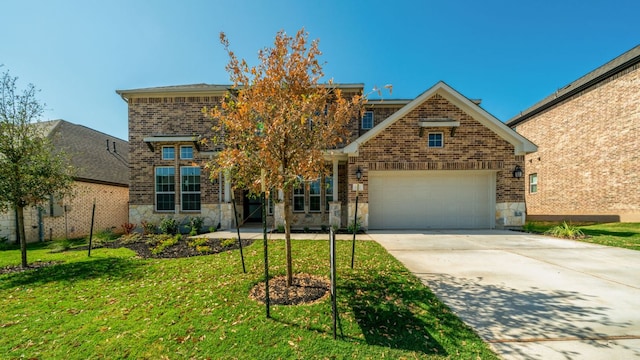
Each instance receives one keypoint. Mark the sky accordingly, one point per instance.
(511, 54)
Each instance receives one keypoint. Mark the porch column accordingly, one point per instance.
(335, 180)
(227, 188)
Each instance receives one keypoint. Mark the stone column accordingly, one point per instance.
(363, 214)
(335, 181)
(335, 214)
(278, 214)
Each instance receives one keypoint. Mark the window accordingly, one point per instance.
(367, 120)
(168, 153)
(186, 152)
(190, 189)
(328, 188)
(533, 183)
(314, 195)
(165, 188)
(435, 140)
(298, 198)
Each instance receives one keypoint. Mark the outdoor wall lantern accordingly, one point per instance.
(358, 174)
(517, 172)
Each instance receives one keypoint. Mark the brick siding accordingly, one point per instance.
(149, 116)
(588, 153)
(473, 147)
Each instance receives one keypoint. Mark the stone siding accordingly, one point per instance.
(588, 154)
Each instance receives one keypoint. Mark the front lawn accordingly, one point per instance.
(623, 235)
(115, 305)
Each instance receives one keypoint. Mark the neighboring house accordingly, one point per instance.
(588, 133)
(101, 164)
(437, 161)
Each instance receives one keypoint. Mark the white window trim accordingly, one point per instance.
(184, 147)
(183, 192)
(174, 152)
(533, 183)
(372, 120)
(441, 140)
(156, 192)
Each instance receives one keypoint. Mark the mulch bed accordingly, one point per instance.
(304, 289)
(31, 266)
(179, 250)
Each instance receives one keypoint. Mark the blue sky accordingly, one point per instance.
(510, 54)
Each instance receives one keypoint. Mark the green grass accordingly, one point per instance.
(115, 306)
(623, 235)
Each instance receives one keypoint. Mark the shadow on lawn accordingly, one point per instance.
(386, 311)
(597, 232)
(76, 271)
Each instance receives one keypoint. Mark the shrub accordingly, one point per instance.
(60, 246)
(165, 243)
(128, 227)
(228, 242)
(306, 229)
(280, 228)
(203, 248)
(566, 231)
(528, 227)
(102, 237)
(169, 225)
(212, 229)
(195, 223)
(354, 227)
(148, 228)
(198, 242)
(130, 238)
(324, 228)
(5, 244)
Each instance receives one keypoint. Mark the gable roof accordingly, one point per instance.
(521, 145)
(617, 65)
(87, 150)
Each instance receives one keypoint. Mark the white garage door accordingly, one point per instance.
(431, 199)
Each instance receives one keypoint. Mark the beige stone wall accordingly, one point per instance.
(588, 154)
(472, 147)
(7, 225)
(212, 215)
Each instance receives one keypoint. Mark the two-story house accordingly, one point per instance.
(436, 161)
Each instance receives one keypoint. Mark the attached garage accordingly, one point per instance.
(432, 199)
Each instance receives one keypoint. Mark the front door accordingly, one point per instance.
(252, 208)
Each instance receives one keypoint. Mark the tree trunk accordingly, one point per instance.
(21, 235)
(287, 235)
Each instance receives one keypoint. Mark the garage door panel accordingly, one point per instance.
(430, 200)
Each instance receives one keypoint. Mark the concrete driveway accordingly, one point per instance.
(530, 296)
